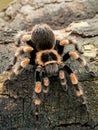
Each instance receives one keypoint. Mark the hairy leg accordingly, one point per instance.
(78, 88)
(79, 59)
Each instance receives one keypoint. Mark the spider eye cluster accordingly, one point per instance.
(45, 57)
(49, 60)
(48, 57)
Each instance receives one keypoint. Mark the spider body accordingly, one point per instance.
(45, 53)
(50, 60)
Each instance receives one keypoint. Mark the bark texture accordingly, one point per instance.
(60, 110)
(23, 14)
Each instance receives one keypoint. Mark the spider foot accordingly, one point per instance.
(74, 42)
(6, 82)
(64, 85)
(9, 68)
(45, 89)
(13, 76)
(80, 51)
(37, 102)
(92, 74)
(37, 113)
(83, 106)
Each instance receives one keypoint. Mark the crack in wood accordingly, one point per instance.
(86, 124)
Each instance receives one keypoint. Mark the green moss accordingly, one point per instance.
(4, 3)
(4, 76)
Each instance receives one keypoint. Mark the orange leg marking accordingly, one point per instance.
(38, 87)
(17, 54)
(45, 90)
(16, 71)
(74, 78)
(83, 62)
(79, 92)
(64, 42)
(28, 49)
(74, 54)
(46, 81)
(46, 84)
(26, 37)
(73, 41)
(37, 101)
(61, 74)
(25, 62)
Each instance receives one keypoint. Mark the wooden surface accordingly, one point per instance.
(59, 110)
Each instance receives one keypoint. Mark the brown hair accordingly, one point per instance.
(42, 37)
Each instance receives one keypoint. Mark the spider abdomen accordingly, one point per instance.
(42, 37)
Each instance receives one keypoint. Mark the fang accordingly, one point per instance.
(51, 69)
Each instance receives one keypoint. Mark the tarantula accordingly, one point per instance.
(45, 53)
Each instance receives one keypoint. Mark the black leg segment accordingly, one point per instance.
(78, 88)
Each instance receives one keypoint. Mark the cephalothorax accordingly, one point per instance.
(45, 53)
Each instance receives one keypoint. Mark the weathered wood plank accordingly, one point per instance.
(85, 28)
(59, 109)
